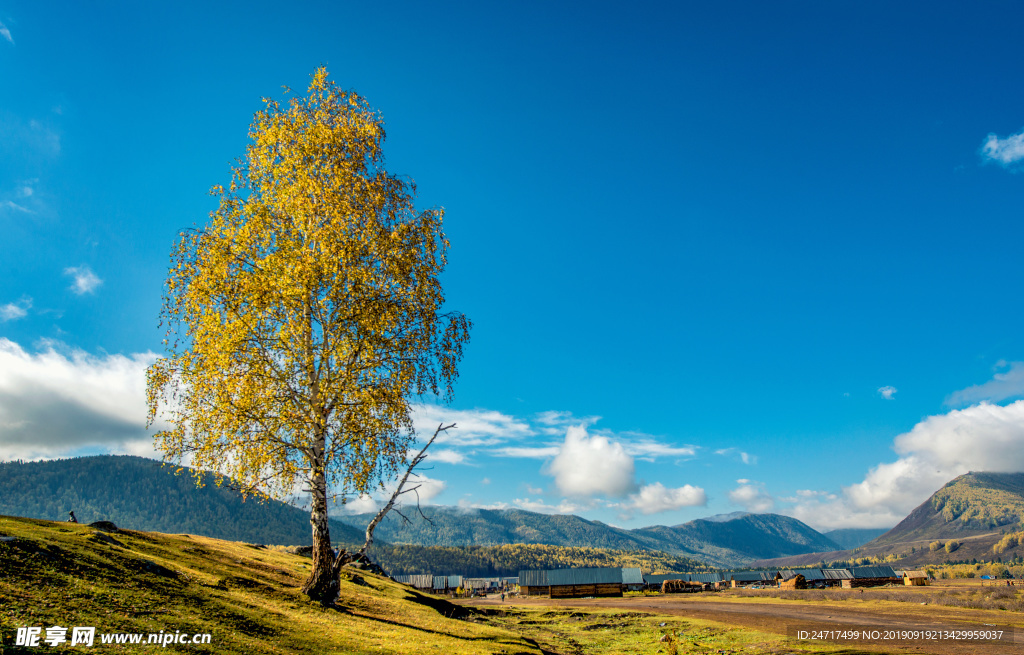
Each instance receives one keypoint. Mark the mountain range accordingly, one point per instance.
(971, 514)
(719, 541)
(139, 493)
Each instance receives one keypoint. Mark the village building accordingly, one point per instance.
(632, 579)
(579, 583)
(423, 581)
(750, 578)
(835, 577)
(914, 578)
(871, 576)
(534, 583)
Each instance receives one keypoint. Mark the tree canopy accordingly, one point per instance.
(306, 315)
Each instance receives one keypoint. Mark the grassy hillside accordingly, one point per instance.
(247, 599)
(732, 542)
(137, 493)
(964, 521)
(972, 504)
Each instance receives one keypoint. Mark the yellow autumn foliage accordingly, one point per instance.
(305, 314)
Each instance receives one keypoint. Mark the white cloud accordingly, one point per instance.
(563, 507)
(887, 392)
(743, 456)
(536, 491)
(751, 496)
(10, 204)
(476, 427)
(979, 438)
(564, 419)
(447, 456)
(465, 503)
(485, 481)
(6, 33)
(649, 450)
(1004, 151)
(85, 281)
(365, 504)
(656, 498)
(527, 452)
(426, 489)
(13, 311)
(591, 465)
(57, 401)
(1000, 387)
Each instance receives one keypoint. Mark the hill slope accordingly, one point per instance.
(732, 542)
(137, 493)
(854, 537)
(247, 599)
(973, 510)
(972, 504)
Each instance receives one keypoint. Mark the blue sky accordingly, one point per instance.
(718, 256)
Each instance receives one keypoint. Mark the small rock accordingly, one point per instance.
(155, 568)
(105, 538)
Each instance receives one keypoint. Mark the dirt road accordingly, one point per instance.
(789, 618)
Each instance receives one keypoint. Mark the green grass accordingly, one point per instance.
(565, 630)
(248, 599)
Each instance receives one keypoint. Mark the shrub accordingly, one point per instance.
(952, 545)
(1007, 542)
(935, 545)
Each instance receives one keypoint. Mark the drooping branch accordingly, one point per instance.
(400, 490)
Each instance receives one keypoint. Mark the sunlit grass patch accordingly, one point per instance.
(247, 598)
(576, 631)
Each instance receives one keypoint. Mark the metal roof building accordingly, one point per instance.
(836, 574)
(420, 581)
(533, 578)
(873, 572)
(562, 577)
(810, 575)
(705, 578)
(632, 577)
(657, 579)
(750, 576)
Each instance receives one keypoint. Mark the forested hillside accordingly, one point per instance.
(508, 560)
(137, 493)
(972, 504)
(730, 542)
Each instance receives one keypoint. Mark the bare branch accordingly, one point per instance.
(422, 455)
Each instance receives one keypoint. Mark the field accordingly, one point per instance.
(246, 597)
(953, 605)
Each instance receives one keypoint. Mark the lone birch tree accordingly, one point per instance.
(305, 316)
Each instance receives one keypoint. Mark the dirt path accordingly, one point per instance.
(789, 618)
